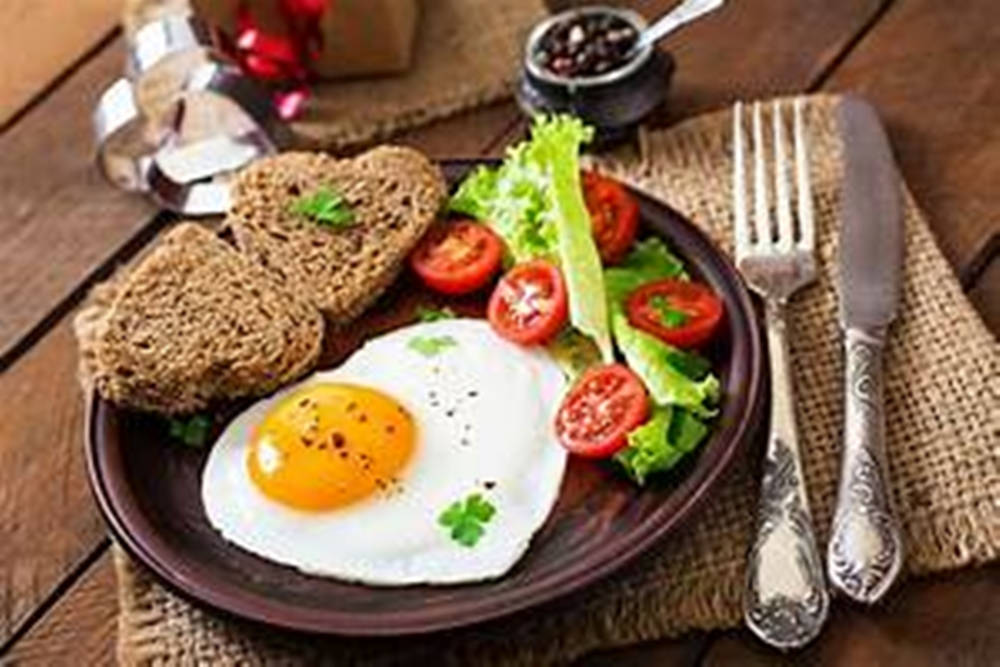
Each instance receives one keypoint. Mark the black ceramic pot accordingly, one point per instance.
(614, 102)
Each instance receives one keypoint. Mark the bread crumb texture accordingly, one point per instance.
(395, 194)
(197, 322)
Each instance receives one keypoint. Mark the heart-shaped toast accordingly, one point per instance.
(197, 322)
(390, 195)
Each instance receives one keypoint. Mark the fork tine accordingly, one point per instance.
(761, 221)
(807, 225)
(781, 177)
(741, 228)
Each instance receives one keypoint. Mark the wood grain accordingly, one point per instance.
(79, 629)
(754, 49)
(63, 225)
(47, 518)
(759, 49)
(60, 218)
(985, 296)
(945, 620)
(474, 134)
(40, 41)
(680, 653)
(749, 50)
(931, 69)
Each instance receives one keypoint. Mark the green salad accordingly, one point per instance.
(618, 311)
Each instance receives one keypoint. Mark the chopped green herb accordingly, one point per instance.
(326, 207)
(669, 316)
(430, 346)
(192, 432)
(465, 519)
(430, 314)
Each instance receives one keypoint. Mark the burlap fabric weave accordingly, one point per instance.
(942, 387)
(466, 54)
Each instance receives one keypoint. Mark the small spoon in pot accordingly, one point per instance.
(679, 16)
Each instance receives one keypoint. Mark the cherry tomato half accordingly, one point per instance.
(614, 215)
(529, 304)
(679, 312)
(457, 257)
(599, 411)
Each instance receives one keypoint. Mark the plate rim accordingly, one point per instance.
(256, 608)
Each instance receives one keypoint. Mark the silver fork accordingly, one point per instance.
(785, 602)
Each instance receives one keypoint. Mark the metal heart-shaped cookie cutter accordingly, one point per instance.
(153, 151)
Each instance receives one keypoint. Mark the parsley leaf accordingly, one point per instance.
(670, 316)
(430, 346)
(431, 314)
(325, 207)
(465, 519)
(192, 432)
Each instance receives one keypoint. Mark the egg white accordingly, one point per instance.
(483, 410)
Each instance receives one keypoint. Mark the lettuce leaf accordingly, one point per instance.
(653, 361)
(649, 260)
(558, 140)
(672, 376)
(534, 200)
(512, 200)
(679, 383)
(660, 443)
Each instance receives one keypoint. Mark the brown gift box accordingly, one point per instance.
(359, 36)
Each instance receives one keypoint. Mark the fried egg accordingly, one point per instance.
(428, 456)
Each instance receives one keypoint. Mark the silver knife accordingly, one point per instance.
(865, 549)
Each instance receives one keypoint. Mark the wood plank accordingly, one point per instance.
(41, 38)
(60, 219)
(758, 49)
(80, 628)
(471, 134)
(951, 619)
(754, 49)
(46, 512)
(985, 296)
(47, 517)
(61, 226)
(930, 67)
(749, 50)
(680, 653)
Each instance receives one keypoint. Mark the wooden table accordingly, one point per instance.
(931, 67)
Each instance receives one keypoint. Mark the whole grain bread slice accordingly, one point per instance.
(394, 193)
(196, 322)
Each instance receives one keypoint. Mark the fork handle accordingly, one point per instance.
(785, 602)
(866, 549)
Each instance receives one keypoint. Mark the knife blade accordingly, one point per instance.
(865, 551)
(871, 232)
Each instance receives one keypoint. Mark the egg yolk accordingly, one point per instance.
(330, 445)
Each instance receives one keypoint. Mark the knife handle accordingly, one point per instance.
(866, 550)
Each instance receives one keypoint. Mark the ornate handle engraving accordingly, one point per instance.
(866, 550)
(785, 602)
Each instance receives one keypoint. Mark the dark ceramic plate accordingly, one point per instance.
(148, 489)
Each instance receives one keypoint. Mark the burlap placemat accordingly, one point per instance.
(466, 54)
(943, 436)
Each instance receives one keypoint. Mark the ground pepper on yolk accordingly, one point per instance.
(330, 445)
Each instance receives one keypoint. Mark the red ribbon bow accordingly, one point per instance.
(283, 60)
